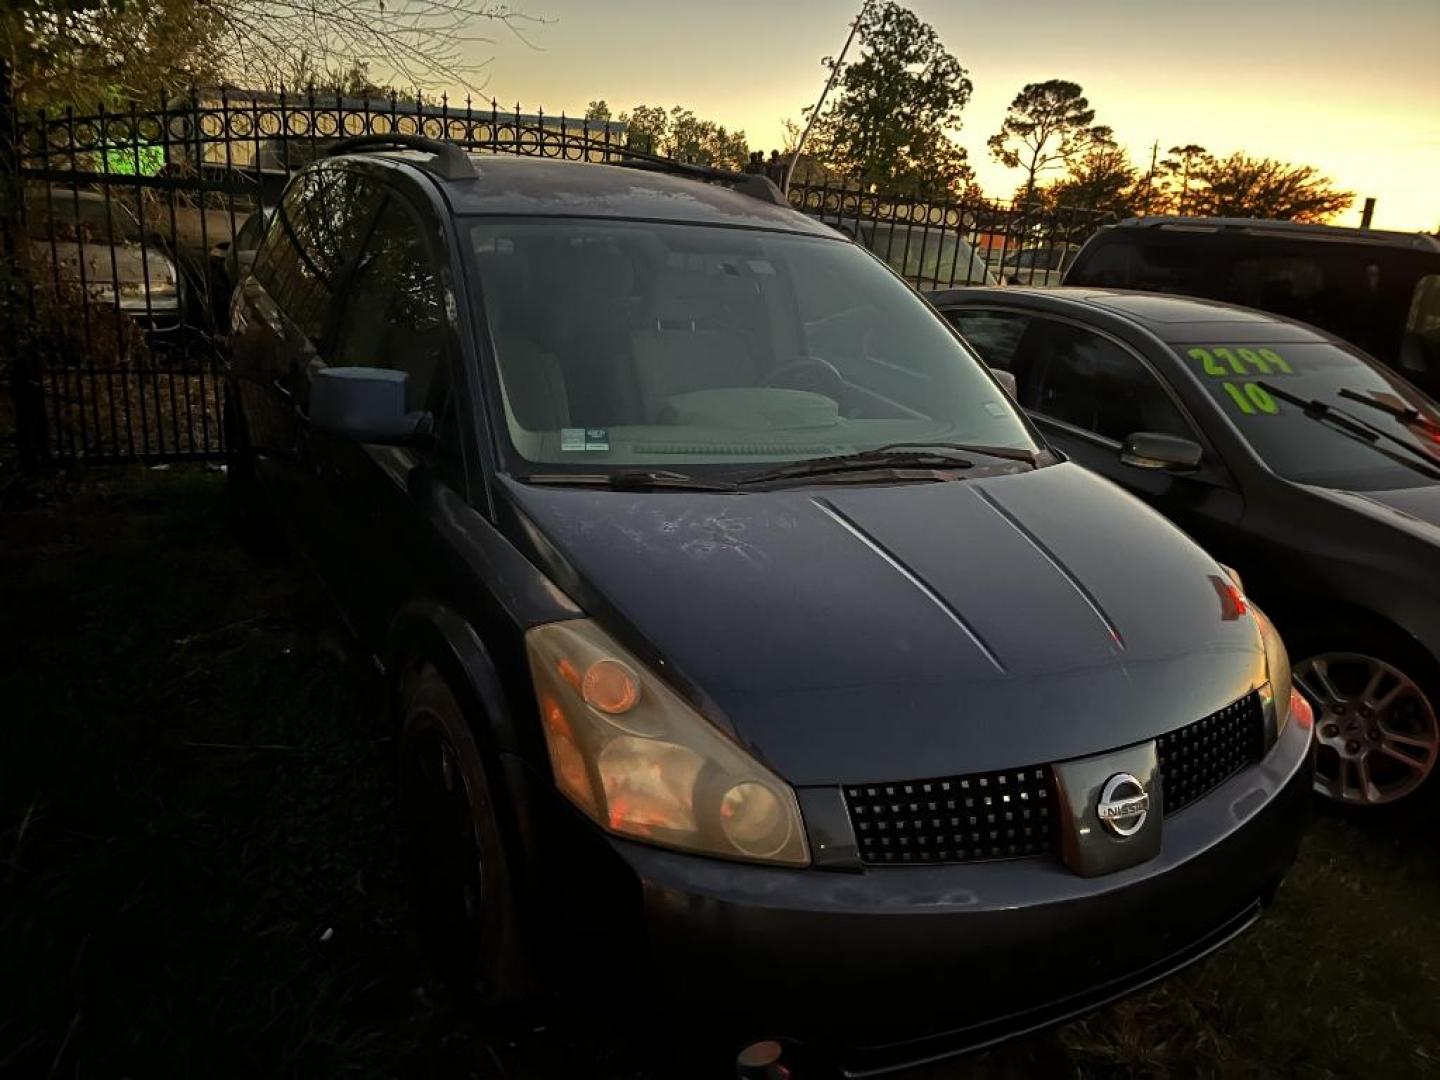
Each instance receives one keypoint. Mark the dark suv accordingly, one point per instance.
(1378, 290)
(750, 652)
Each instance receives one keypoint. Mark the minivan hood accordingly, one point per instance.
(847, 634)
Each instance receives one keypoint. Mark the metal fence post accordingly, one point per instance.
(16, 297)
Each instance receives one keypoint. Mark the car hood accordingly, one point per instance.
(845, 634)
(1416, 509)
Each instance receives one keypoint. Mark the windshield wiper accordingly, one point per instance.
(927, 465)
(1360, 429)
(630, 480)
(1008, 453)
(1404, 413)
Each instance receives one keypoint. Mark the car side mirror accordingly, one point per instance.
(1152, 450)
(364, 405)
(1007, 380)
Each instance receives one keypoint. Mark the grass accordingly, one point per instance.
(198, 873)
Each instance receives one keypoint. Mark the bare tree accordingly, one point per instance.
(81, 52)
(420, 43)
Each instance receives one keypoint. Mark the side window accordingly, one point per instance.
(316, 232)
(995, 335)
(1420, 348)
(1088, 381)
(394, 315)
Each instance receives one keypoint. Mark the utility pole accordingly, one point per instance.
(815, 115)
(1150, 176)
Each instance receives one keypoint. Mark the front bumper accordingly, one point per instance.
(890, 966)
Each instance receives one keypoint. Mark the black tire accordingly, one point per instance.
(250, 518)
(463, 893)
(1353, 654)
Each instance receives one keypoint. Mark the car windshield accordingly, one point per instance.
(1313, 451)
(624, 344)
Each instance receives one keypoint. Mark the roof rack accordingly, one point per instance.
(450, 162)
(754, 185)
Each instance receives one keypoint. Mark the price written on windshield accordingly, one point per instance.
(1219, 362)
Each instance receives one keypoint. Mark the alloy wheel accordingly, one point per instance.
(1376, 733)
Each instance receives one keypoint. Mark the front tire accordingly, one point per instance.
(462, 883)
(1377, 716)
(250, 517)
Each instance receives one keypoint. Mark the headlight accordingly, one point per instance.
(628, 751)
(163, 281)
(1280, 692)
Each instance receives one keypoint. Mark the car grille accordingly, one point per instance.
(997, 815)
(1197, 758)
(1014, 814)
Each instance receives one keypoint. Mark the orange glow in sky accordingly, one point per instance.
(1353, 89)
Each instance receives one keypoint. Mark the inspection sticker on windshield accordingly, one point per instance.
(579, 438)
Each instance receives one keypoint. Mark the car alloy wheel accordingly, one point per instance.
(1376, 732)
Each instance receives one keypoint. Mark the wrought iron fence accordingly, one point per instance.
(136, 224)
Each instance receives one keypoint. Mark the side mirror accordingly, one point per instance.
(1007, 380)
(364, 405)
(1152, 450)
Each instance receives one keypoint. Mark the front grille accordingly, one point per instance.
(1197, 758)
(996, 815)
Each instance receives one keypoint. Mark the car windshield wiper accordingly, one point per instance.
(1404, 413)
(927, 465)
(630, 480)
(1357, 428)
(1008, 453)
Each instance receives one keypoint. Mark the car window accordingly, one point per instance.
(1068, 373)
(317, 231)
(394, 314)
(79, 215)
(995, 335)
(1236, 376)
(1420, 350)
(926, 257)
(623, 342)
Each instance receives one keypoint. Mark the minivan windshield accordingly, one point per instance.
(625, 343)
(1320, 451)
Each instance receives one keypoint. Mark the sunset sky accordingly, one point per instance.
(1353, 89)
